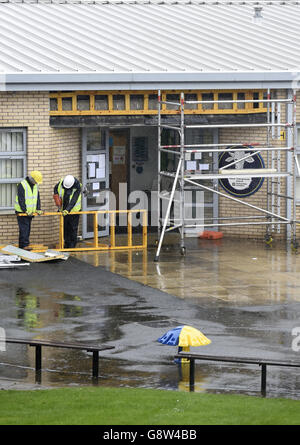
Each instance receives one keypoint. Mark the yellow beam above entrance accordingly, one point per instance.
(108, 103)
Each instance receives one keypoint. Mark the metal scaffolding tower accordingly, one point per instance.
(280, 165)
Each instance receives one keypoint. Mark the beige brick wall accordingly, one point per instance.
(54, 152)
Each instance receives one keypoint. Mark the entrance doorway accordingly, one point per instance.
(118, 161)
(119, 142)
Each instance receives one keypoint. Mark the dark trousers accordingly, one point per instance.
(70, 230)
(24, 223)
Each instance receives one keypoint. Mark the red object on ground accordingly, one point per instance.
(210, 234)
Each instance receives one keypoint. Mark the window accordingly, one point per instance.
(225, 96)
(241, 105)
(53, 104)
(101, 102)
(118, 102)
(175, 98)
(136, 101)
(12, 164)
(83, 102)
(67, 104)
(207, 97)
(256, 97)
(95, 139)
(191, 97)
(152, 103)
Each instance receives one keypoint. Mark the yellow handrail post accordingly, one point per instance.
(129, 228)
(61, 231)
(112, 230)
(145, 223)
(95, 230)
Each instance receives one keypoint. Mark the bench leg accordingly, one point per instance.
(263, 380)
(192, 374)
(95, 366)
(38, 364)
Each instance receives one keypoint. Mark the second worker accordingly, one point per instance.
(67, 196)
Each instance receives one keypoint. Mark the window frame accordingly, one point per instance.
(14, 155)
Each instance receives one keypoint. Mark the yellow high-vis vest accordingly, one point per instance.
(31, 197)
(61, 192)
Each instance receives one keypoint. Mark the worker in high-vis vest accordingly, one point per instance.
(28, 202)
(67, 197)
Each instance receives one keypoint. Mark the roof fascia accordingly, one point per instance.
(147, 81)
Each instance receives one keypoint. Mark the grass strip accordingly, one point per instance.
(131, 406)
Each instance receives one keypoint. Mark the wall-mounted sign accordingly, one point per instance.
(237, 185)
(119, 154)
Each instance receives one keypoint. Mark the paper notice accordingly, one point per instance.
(100, 173)
(191, 165)
(91, 170)
(203, 166)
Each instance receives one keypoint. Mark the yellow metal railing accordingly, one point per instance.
(112, 223)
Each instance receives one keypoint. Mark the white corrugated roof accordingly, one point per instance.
(161, 37)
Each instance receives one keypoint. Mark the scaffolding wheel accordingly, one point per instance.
(182, 251)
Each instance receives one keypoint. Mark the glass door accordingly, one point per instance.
(95, 179)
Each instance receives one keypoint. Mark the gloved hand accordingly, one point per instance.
(39, 212)
(65, 212)
(29, 213)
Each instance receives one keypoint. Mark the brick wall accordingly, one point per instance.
(54, 152)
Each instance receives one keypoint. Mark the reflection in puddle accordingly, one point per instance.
(27, 305)
(35, 312)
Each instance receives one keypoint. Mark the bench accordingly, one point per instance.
(38, 344)
(192, 357)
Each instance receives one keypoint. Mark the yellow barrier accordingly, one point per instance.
(96, 245)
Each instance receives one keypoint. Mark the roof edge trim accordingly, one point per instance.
(134, 81)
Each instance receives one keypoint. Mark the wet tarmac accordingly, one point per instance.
(243, 295)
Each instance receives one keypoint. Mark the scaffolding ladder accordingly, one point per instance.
(281, 182)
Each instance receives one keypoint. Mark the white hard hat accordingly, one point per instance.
(68, 181)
